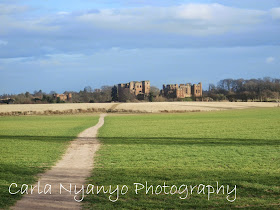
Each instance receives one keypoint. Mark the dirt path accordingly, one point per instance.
(74, 167)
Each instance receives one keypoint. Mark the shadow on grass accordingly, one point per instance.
(15, 173)
(38, 138)
(249, 185)
(155, 140)
(187, 141)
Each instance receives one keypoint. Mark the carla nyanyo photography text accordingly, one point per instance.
(114, 192)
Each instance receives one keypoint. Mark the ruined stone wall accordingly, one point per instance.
(197, 90)
(182, 90)
(146, 87)
(187, 90)
(180, 93)
(63, 97)
(137, 88)
(170, 90)
(69, 96)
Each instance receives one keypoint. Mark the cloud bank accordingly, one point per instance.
(186, 25)
(167, 42)
(189, 19)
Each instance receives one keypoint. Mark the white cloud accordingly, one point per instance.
(85, 31)
(270, 60)
(186, 19)
(52, 60)
(2, 42)
(12, 9)
(275, 13)
(63, 13)
(9, 24)
(193, 19)
(14, 60)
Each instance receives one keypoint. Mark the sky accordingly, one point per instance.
(66, 45)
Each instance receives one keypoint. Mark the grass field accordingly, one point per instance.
(30, 145)
(237, 147)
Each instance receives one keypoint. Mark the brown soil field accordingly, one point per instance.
(145, 107)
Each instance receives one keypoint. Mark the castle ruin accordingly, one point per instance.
(63, 97)
(182, 90)
(138, 89)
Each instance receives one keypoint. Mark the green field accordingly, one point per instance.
(239, 147)
(31, 144)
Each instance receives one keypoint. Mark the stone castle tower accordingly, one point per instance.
(182, 90)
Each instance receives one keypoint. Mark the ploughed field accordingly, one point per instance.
(145, 107)
(31, 144)
(143, 156)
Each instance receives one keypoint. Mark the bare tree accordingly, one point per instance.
(154, 90)
(88, 89)
(125, 95)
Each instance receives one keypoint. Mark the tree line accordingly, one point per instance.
(88, 95)
(265, 89)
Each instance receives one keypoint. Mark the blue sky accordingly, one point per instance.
(67, 45)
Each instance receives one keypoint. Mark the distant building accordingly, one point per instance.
(63, 97)
(97, 90)
(182, 90)
(7, 101)
(139, 89)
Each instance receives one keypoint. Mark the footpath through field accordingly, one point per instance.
(74, 167)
